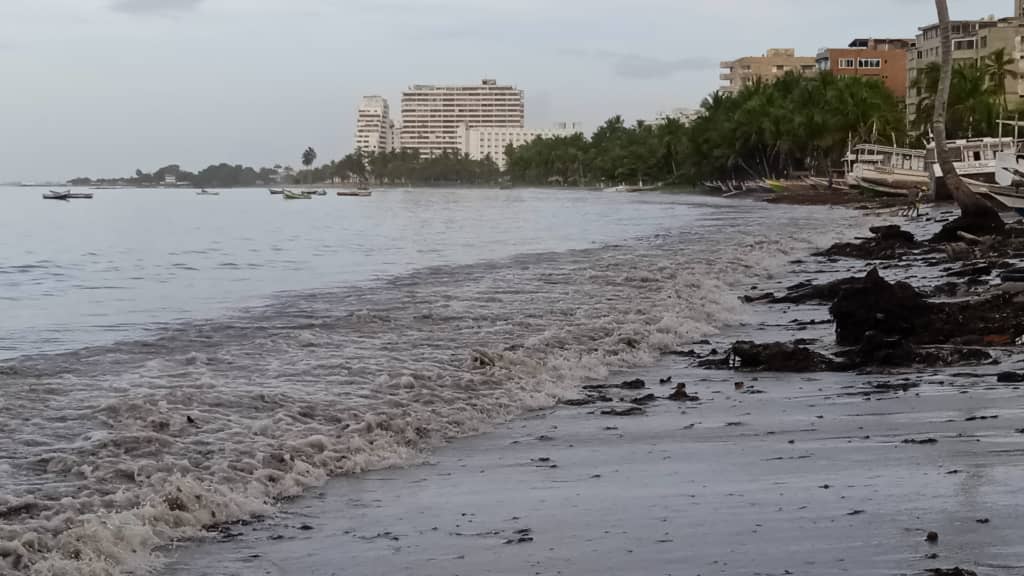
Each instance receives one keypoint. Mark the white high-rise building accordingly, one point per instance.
(434, 117)
(480, 143)
(375, 130)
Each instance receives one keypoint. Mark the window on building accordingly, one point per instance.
(869, 63)
(964, 44)
(984, 42)
(956, 29)
(920, 54)
(747, 68)
(779, 68)
(846, 63)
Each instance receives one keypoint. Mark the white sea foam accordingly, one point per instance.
(116, 450)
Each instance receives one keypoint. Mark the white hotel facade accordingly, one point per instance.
(476, 119)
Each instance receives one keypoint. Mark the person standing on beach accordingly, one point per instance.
(913, 208)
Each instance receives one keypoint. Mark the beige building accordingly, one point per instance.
(774, 63)
(480, 143)
(375, 130)
(973, 40)
(434, 117)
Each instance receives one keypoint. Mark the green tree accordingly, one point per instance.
(1000, 68)
(308, 159)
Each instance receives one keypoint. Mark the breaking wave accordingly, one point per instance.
(110, 452)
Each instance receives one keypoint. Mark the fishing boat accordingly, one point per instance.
(289, 195)
(1003, 197)
(80, 195)
(318, 193)
(205, 192)
(54, 195)
(355, 193)
(277, 191)
(887, 167)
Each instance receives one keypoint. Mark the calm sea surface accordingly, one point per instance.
(90, 271)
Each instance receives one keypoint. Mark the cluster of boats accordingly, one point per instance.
(991, 167)
(362, 191)
(67, 195)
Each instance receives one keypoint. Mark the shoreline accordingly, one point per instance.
(821, 473)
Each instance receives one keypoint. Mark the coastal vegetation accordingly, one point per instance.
(767, 129)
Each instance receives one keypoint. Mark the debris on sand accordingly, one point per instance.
(888, 243)
(681, 395)
(826, 293)
(921, 442)
(636, 384)
(1010, 378)
(778, 357)
(631, 411)
(952, 572)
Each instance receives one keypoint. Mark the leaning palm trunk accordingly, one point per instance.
(976, 215)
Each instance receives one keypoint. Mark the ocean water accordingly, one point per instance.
(173, 361)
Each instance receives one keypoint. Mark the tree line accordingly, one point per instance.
(765, 130)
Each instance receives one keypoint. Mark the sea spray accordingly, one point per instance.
(116, 450)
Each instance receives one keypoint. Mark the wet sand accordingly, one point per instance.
(789, 474)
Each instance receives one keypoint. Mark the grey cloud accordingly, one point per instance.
(638, 66)
(154, 6)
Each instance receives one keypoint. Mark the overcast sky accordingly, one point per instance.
(102, 87)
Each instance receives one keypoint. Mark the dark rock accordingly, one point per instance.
(932, 537)
(895, 386)
(982, 520)
(667, 380)
(306, 528)
(759, 298)
(1010, 378)
(876, 305)
(780, 357)
(971, 271)
(893, 232)
(636, 384)
(644, 400)
(878, 350)
(976, 225)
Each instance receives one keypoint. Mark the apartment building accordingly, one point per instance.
(481, 142)
(882, 58)
(973, 40)
(774, 63)
(434, 117)
(375, 130)
(685, 116)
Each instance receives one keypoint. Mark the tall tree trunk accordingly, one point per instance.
(977, 216)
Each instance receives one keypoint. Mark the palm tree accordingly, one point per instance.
(1000, 67)
(976, 215)
(308, 158)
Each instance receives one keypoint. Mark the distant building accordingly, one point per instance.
(433, 117)
(170, 180)
(480, 143)
(973, 40)
(774, 63)
(375, 130)
(881, 58)
(685, 116)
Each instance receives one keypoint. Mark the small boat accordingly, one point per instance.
(1011, 197)
(80, 196)
(54, 195)
(205, 192)
(355, 193)
(318, 193)
(775, 185)
(822, 184)
(289, 195)
(884, 190)
(277, 191)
